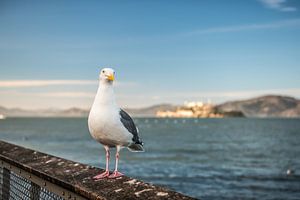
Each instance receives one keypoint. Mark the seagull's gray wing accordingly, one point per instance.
(130, 126)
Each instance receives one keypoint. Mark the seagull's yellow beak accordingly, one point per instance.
(110, 77)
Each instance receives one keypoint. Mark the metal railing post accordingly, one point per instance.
(35, 191)
(6, 184)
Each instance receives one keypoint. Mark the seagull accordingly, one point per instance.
(110, 125)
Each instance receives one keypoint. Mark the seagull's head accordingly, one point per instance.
(107, 75)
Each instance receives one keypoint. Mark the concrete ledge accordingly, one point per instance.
(77, 177)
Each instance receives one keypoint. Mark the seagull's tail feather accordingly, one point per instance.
(136, 147)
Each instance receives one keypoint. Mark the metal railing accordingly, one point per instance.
(26, 174)
(18, 184)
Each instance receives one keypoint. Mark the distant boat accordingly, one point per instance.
(2, 116)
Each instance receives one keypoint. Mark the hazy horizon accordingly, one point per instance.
(146, 106)
(51, 52)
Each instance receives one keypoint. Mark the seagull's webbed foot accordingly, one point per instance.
(102, 175)
(116, 174)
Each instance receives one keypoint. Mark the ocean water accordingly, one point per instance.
(236, 158)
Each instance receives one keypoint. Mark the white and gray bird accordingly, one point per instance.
(110, 125)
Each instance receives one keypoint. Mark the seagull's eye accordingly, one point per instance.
(103, 71)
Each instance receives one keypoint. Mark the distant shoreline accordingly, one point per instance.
(271, 106)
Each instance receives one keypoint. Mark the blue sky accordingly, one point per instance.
(163, 51)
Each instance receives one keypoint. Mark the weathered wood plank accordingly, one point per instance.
(77, 177)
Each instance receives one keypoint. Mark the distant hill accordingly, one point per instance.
(18, 112)
(150, 111)
(78, 112)
(265, 106)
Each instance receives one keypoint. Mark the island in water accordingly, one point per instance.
(198, 110)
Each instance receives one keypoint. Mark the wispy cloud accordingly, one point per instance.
(45, 83)
(68, 94)
(42, 83)
(278, 5)
(247, 27)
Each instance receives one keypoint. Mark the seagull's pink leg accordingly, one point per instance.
(116, 173)
(106, 173)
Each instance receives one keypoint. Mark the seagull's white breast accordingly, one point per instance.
(105, 126)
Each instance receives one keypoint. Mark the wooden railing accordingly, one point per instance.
(29, 174)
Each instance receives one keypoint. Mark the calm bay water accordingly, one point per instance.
(203, 158)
